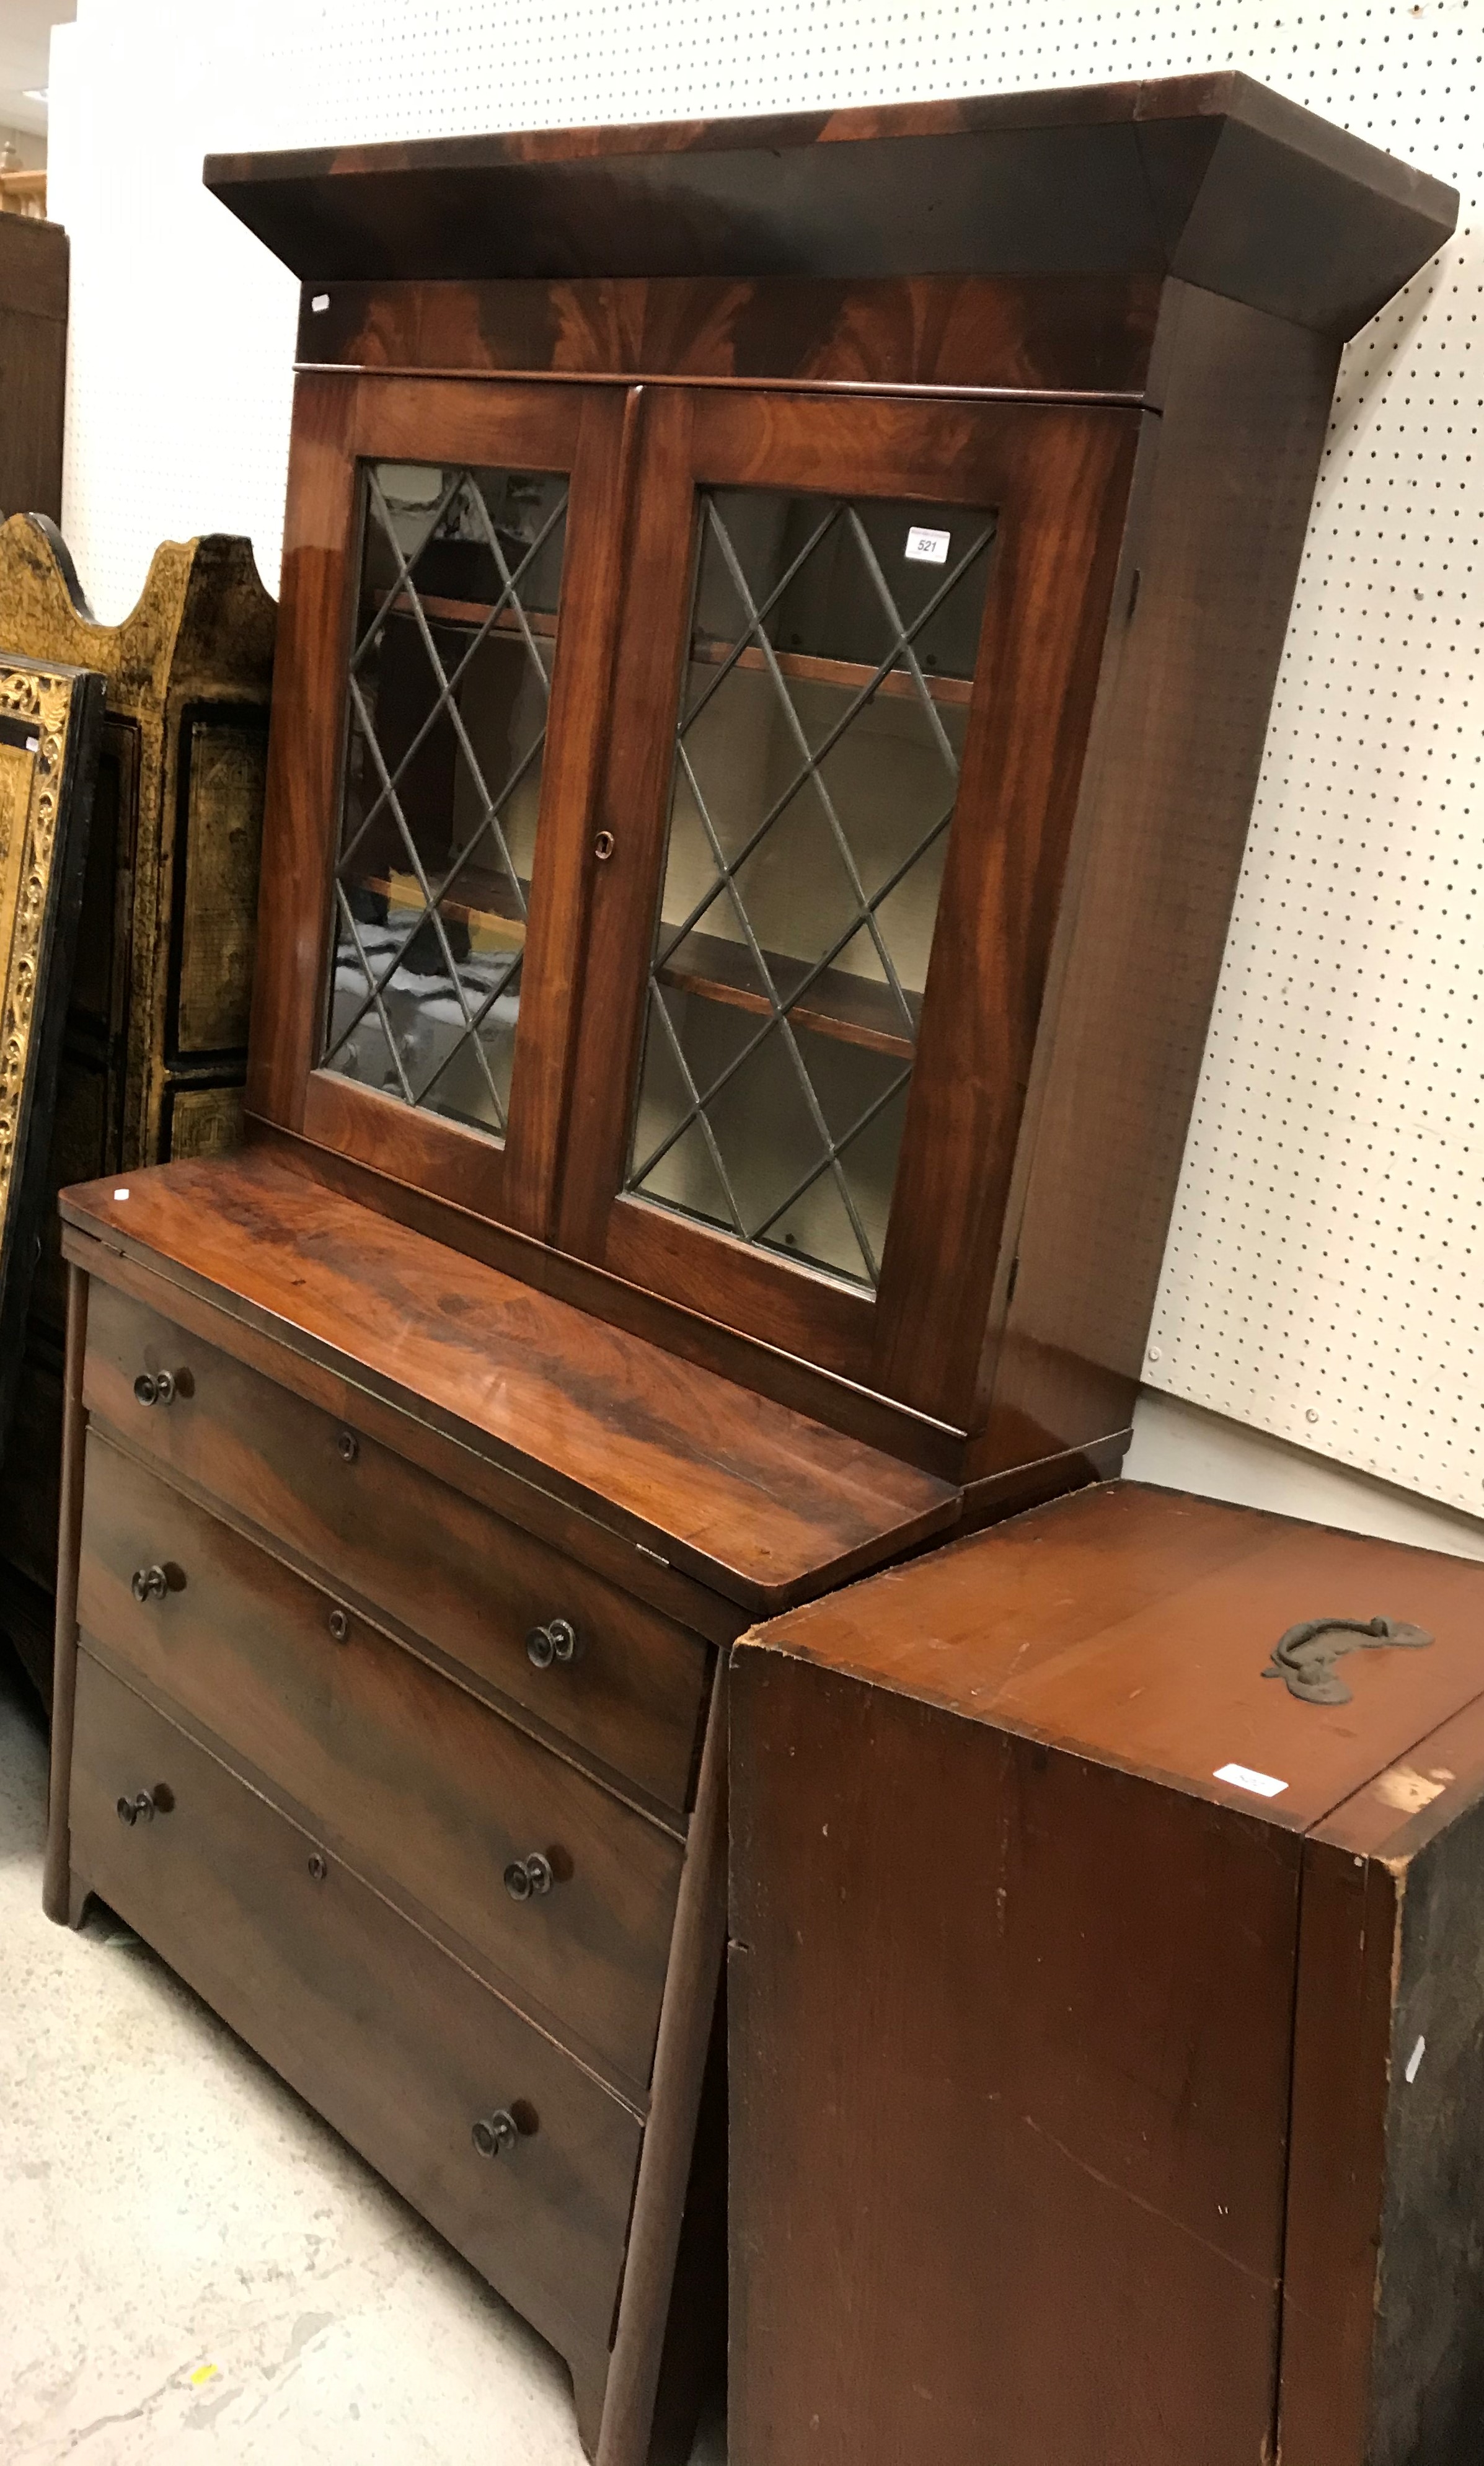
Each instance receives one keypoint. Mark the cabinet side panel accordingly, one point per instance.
(1341, 2036)
(1222, 502)
(1428, 2366)
(1009, 2089)
(299, 820)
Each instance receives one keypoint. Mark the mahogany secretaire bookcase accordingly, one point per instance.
(778, 625)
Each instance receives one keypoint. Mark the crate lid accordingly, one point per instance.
(1136, 1626)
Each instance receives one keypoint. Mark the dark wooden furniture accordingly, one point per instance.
(1089, 2105)
(399, 1587)
(1102, 327)
(777, 626)
(154, 1050)
(34, 284)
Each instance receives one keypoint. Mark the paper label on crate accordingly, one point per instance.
(1241, 1776)
(927, 548)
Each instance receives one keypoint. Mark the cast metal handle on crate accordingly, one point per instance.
(495, 2133)
(526, 1879)
(1305, 1657)
(556, 1641)
(145, 1805)
(156, 1387)
(150, 1583)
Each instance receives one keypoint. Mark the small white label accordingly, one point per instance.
(927, 548)
(1241, 1776)
(1414, 2066)
(120, 1194)
(319, 303)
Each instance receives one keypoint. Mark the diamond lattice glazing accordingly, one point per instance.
(816, 768)
(448, 691)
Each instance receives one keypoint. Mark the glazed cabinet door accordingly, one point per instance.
(856, 672)
(450, 580)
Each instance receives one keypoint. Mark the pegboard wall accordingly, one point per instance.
(1325, 1274)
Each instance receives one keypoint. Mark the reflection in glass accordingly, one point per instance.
(449, 684)
(821, 728)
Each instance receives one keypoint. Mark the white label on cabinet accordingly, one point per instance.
(927, 548)
(1241, 1776)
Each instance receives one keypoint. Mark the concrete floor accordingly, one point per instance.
(191, 2264)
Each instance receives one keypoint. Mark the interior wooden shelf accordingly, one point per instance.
(850, 674)
(852, 1009)
(475, 613)
(485, 902)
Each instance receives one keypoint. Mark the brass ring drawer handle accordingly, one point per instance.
(526, 1879)
(150, 1583)
(496, 2133)
(145, 1805)
(556, 1641)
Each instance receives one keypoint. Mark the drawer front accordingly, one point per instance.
(407, 1772)
(469, 1582)
(400, 2048)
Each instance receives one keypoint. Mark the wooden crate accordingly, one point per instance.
(1107, 2023)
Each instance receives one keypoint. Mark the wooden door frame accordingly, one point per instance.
(341, 420)
(1058, 476)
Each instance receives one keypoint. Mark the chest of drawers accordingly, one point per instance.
(398, 1736)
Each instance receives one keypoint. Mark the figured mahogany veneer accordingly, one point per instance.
(1212, 178)
(464, 1585)
(754, 1500)
(410, 1777)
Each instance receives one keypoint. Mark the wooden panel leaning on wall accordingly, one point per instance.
(51, 720)
(34, 284)
(155, 1043)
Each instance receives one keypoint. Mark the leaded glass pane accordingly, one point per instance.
(822, 727)
(449, 684)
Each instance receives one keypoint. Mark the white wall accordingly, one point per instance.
(1325, 1274)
